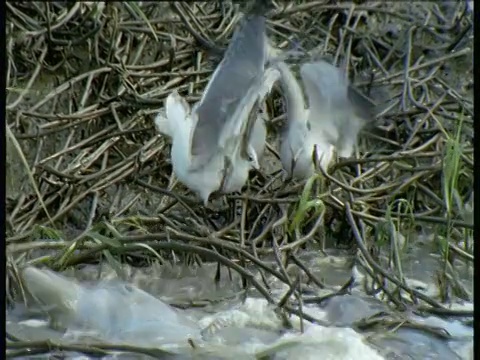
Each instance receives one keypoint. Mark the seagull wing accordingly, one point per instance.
(326, 91)
(224, 107)
(336, 109)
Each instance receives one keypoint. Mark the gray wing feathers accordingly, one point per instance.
(240, 68)
(326, 99)
(337, 109)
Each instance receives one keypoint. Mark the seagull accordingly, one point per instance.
(217, 142)
(257, 140)
(335, 115)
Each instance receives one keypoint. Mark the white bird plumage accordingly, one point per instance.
(211, 147)
(330, 123)
(217, 142)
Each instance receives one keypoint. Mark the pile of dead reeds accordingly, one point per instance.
(88, 177)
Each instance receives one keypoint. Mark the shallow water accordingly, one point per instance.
(249, 326)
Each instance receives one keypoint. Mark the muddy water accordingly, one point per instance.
(249, 326)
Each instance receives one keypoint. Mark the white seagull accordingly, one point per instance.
(217, 142)
(335, 115)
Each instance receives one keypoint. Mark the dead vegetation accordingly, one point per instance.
(89, 178)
